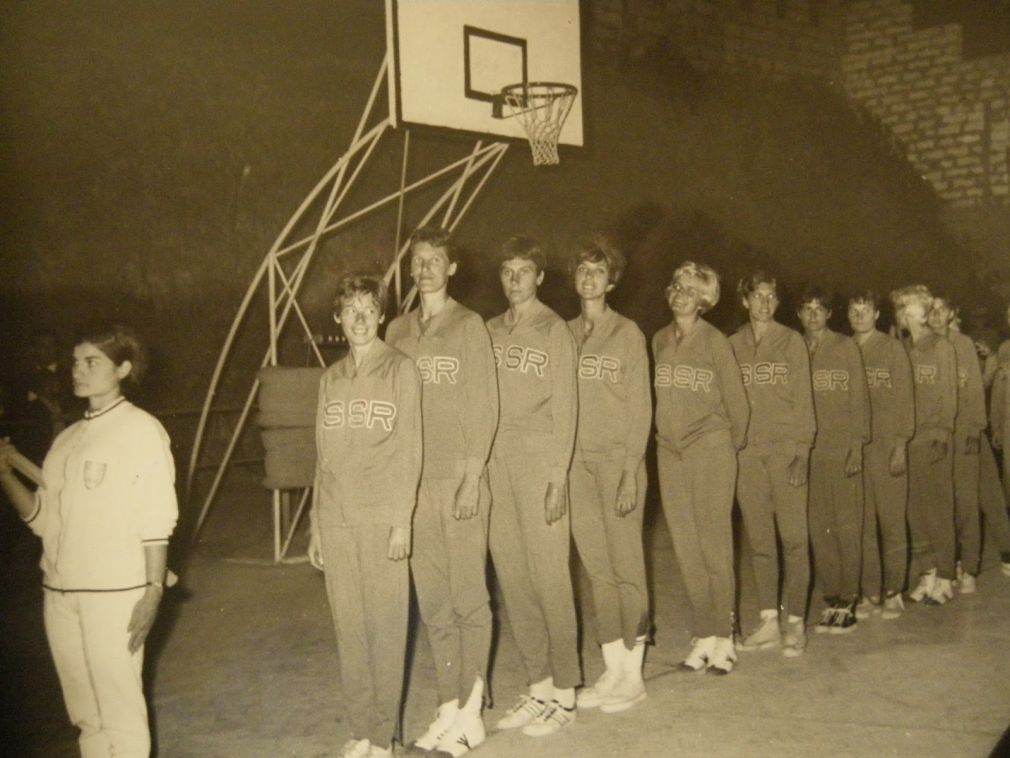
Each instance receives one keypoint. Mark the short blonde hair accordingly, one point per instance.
(706, 277)
(920, 293)
(913, 293)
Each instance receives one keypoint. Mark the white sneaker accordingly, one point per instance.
(723, 657)
(700, 654)
(967, 584)
(942, 592)
(794, 640)
(445, 716)
(376, 751)
(592, 696)
(526, 709)
(927, 582)
(355, 748)
(626, 695)
(551, 719)
(767, 635)
(1004, 566)
(894, 606)
(630, 688)
(464, 735)
(868, 605)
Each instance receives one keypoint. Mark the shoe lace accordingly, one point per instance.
(556, 713)
(527, 703)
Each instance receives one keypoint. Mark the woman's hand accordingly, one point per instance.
(399, 543)
(315, 550)
(142, 618)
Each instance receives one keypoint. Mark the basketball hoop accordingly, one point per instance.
(541, 109)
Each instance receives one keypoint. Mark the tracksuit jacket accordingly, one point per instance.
(460, 397)
(934, 370)
(539, 405)
(368, 439)
(695, 388)
(776, 374)
(889, 381)
(841, 403)
(613, 377)
(970, 419)
(109, 492)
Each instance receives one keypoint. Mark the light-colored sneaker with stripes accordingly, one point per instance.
(526, 709)
(553, 718)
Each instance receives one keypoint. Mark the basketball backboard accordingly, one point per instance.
(451, 58)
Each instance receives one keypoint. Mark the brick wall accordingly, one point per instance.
(950, 116)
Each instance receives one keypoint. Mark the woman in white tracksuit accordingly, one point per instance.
(104, 514)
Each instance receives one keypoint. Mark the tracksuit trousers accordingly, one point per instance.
(531, 563)
(369, 600)
(696, 485)
(967, 521)
(931, 509)
(100, 678)
(992, 500)
(449, 564)
(836, 523)
(767, 501)
(610, 548)
(885, 499)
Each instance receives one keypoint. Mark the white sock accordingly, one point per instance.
(565, 697)
(769, 613)
(543, 690)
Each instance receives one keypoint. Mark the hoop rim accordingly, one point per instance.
(564, 88)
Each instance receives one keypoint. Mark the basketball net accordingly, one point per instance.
(541, 109)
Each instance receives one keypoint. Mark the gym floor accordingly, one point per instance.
(242, 664)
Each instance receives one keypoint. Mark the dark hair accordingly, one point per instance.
(600, 249)
(120, 343)
(750, 283)
(870, 297)
(945, 297)
(436, 237)
(362, 284)
(818, 294)
(527, 248)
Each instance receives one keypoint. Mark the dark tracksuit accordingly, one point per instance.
(842, 410)
(615, 415)
(701, 423)
(931, 483)
(459, 406)
(368, 442)
(969, 422)
(999, 410)
(538, 395)
(776, 375)
(892, 414)
(994, 498)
